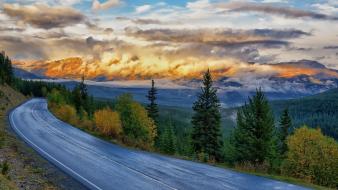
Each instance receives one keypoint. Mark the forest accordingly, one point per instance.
(263, 140)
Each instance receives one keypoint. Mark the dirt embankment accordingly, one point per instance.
(26, 169)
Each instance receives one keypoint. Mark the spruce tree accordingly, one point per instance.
(167, 140)
(83, 89)
(81, 98)
(6, 71)
(152, 107)
(206, 134)
(285, 124)
(254, 134)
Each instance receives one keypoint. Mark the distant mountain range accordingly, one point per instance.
(291, 80)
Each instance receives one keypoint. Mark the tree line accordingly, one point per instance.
(256, 143)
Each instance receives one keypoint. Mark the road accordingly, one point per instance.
(102, 165)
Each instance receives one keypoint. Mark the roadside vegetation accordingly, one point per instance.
(259, 143)
(20, 166)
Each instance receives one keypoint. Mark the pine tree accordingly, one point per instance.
(83, 89)
(168, 139)
(81, 99)
(206, 135)
(6, 71)
(285, 124)
(152, 108)
(254, 134)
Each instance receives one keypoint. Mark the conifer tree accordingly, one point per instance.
(167, 140)
(81, 98)
(206, 134)
(254, 134)
(152, 107)
(285, 124)
(6, 71)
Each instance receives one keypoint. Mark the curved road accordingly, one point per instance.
(102, 165)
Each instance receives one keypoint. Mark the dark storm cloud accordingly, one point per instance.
(275, 10)
(43, 16)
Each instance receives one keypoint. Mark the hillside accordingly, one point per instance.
(319, 110)
(27, 170)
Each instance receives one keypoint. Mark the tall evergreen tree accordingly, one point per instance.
(6, 71)
(152, 107)
(81, 99)
(285, 124)
(254, 134)
(83, 89)
(206, 134)
(168, 139)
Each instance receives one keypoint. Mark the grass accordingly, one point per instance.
(25, 166)
(6, 184)
(290, 180)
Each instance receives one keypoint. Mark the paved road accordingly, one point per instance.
(102, 165)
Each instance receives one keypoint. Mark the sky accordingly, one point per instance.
(136, 39)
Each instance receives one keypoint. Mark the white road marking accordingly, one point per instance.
(100, 155)
(46, 154)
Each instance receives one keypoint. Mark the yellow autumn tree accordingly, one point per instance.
(312, 156)
(66, 113)
(138, 128)
(108, 122)
(141, 116)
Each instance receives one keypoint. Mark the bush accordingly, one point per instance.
(312, 156)
(138, 128)
(66, 113)
(108, 122)
(55, 97)
(5, 168)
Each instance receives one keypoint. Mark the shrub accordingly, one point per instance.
(5, 168)
(138, 128)
(312, 156)
(66, 113)
(55, 97)
(108, 122)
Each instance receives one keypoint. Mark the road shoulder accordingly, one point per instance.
(27, 169)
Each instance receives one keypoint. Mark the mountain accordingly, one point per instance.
(26, 74)
(320, 110)
(279, 81)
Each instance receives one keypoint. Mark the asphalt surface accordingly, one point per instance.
(102, 165)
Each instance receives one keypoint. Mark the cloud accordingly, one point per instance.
(198, 5)
(331, 47)
(51, 35)
(326, 8)
(142, 9)
(140, 21)
(274, 10)
(96, 5)
(22, 48)
(67, 2)
(216, 36)
(44, 16)
(13, 29)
